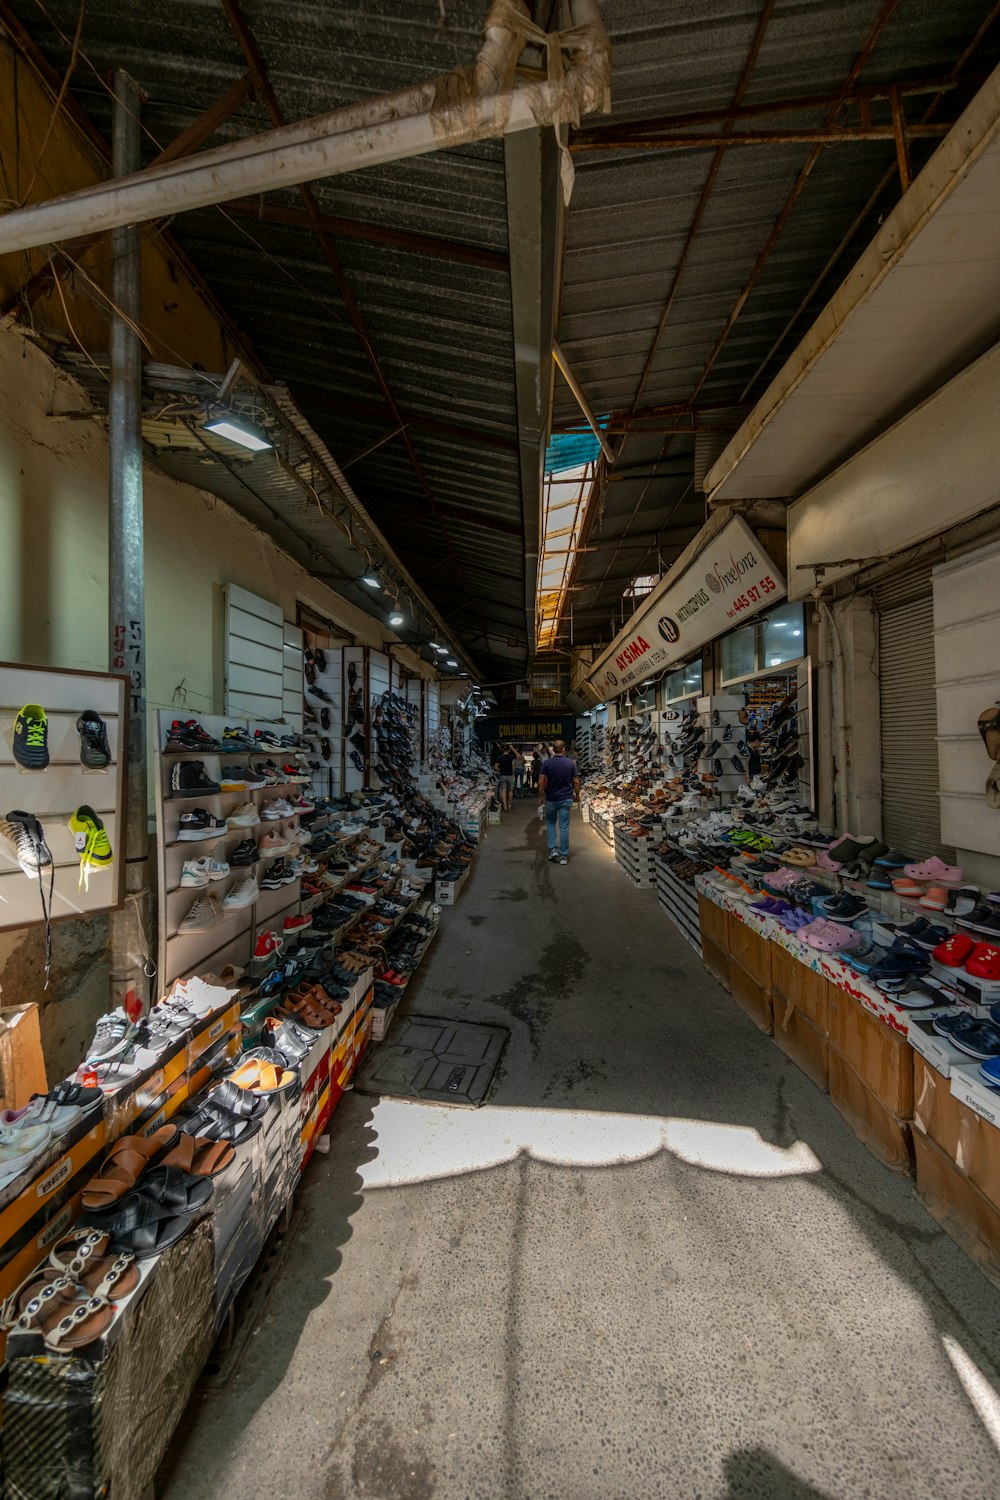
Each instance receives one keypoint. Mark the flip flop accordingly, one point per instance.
(124, 1164)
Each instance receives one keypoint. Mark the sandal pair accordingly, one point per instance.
(262, 1072)
(156, 1215)
(228, 1113)
(125, 1163)
(82, 1271)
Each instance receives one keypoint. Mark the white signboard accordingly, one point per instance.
(732, 579)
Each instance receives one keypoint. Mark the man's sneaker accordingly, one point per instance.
(244, 816)
(245, 853)
(90, 839)
(277, 875)
(298, 836)
(272, 843)
(95, 752)
(208, 869)
(188, 778)
(193, 877)
(236, 739)
(553, 856)
(302, 804)
(243, 893)
(238, 779)
(563, 860)
(295, 774)
(30, 740)
(267, 773)
(24, 835)
(266, 739)
(276, 808)
(199, 824)
(205, 914)
(267, 945)
(294, 924)
(112, 1034)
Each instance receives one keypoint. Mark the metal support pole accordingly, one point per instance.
(130, 927)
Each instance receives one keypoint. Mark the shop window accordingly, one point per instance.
(739, 654)
(683, 682)
(782, 636)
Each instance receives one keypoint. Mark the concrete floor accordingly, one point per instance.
(657, 1264)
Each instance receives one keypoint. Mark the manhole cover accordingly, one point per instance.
(443, 1062)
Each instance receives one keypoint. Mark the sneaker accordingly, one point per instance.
(276, 808)
(236, 739)
(245, 816)
(243, 893)
(95, 752)
(277, 875)
(30, 740)
(265, 739)
(210, 869)
(112, 1034)
(26, 838)
(268, 774)
(90, 839)
(239, 779)
(245, 853)
(188, 778)
(297, 923)
(199, 824)
(193, 877)
(563, 860)
(295, 774)
(302, 804)
(273, 843)
(267, 945)
(553, 856)
(205, 913)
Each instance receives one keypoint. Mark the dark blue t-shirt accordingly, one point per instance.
(559, 772)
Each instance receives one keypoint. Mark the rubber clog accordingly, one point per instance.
(954, 950)
(936, 870)
(984, 962)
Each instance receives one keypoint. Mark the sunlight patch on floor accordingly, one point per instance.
(978, 1389)
(421, 1142)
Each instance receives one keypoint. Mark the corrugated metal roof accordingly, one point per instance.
(442, 328)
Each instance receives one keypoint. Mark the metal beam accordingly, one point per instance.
(196, 134)
(822, 136)
(467, 517)
(314, 396)
(376, 234)
(669, 124)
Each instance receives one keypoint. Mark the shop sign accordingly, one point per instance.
(514, 728)
(731, 580)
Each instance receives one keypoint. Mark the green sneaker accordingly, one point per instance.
(92, 843)
(31, 738)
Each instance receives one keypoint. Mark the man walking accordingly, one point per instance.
(518, 772)
(558, 789)
(504, 766)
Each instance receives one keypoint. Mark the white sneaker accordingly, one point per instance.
(198, 872)
(245, 816)
(243, 893)
(276, 808)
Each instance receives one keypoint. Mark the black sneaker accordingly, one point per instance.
(95, 752)
(189, 735)
(30, 741)
(356, 761)
(189, 779)
(200, 824)
(245, 853)
(26, 838)
(278, 875)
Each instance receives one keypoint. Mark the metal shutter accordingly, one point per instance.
(911, 814)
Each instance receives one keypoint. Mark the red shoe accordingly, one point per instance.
(391, 977)
(297, 924)
(984, 962)
(954, 950)
(268, 944)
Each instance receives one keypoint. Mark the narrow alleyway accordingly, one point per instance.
(656, 1264)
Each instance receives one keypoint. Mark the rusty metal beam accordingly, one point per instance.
(199, 131)
(255, 61)
(882, 20)
(458, 513)
(669, 124)
(900, 131)
(824, 136)
(377, 234)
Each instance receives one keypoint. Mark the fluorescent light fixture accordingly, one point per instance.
(397, 619)
(371, 579)
(775, 661)
(237, 431)
(434, 646)
(796, 632)
(441, 650)
(451, 662)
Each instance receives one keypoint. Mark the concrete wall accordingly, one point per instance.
(53, 583)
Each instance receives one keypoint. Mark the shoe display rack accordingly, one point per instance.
(355, 720)
(323, 720)
(231, 938)
(52, 818)
(679, 901)
(632, 856)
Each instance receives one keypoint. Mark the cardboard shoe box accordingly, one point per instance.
(795, 985)
(22, 1066)
(752, 995)
(881, 1056)
(802, 1042)
(963, 1212)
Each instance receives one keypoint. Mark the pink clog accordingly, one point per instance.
(935, 869)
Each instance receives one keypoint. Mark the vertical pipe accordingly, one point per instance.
(130, 927)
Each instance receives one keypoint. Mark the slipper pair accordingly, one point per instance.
(156, 1215)
(829, 937)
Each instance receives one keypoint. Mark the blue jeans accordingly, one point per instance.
(558, 813)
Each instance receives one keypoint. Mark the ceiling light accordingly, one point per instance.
(237, 431)
(451, 662)
(397, 619)
(371, 579)
(434, 646)
(796, 632)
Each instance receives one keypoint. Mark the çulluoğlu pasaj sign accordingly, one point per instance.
(730, 580)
